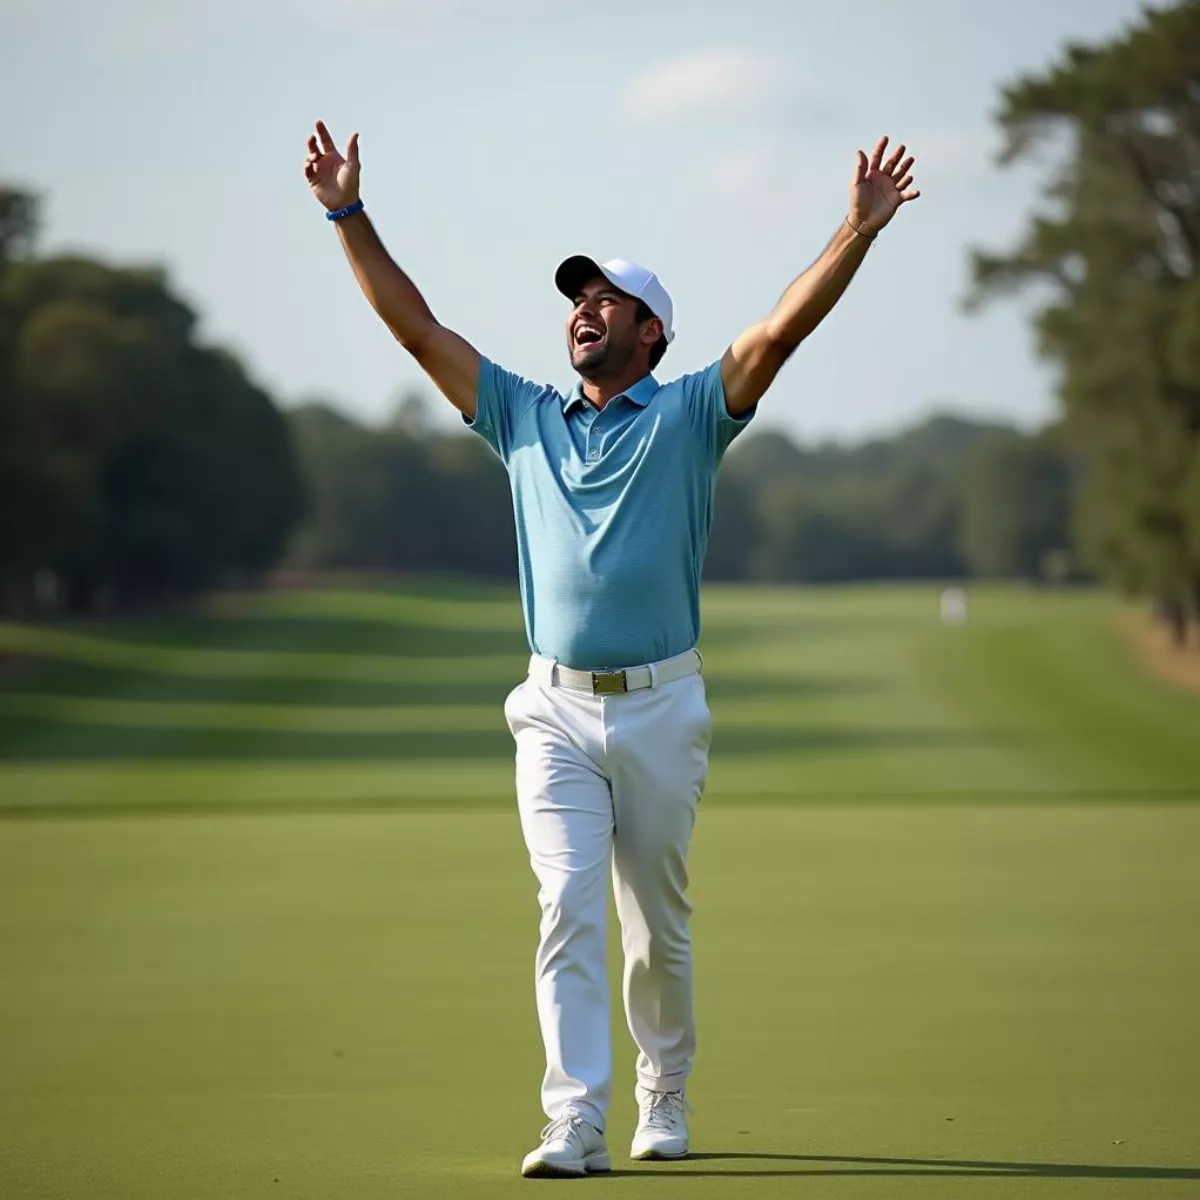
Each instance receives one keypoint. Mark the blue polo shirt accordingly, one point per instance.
(613, 510)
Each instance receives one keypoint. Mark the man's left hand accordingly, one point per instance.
(879, 188)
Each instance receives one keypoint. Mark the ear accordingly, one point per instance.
(652, 330)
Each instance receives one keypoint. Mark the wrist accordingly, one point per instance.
(346, 210)
(861, 228)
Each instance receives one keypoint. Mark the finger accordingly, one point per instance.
(352, 150)
(904, 199)
(327, 142)
(877, 153)
(312, 145)
(310, 171)
(904, 183)
(904, 167)
(894, 161)
(860, 166)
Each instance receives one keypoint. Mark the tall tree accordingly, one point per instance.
(1117, 247)
(18, 224)
(136, 461)
(23, 475)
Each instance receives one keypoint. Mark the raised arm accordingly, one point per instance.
(449, 360)
(877, 190)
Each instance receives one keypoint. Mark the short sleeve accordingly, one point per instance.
(704, 400)
(501, 400)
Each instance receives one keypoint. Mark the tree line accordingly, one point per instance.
(949, 498)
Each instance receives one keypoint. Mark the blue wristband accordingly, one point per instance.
(336, 214)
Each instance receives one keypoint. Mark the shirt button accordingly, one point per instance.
(593, 456)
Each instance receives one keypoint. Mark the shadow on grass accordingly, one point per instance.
(69, 680)
(297, 634)
(795, 687)
(408, 635)
(39, 739)
(58, 677)
(850, 1164)
(138, 803)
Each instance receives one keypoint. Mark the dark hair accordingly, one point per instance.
(660, 347)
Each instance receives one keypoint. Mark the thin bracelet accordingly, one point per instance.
(861, 232)
(336, 214)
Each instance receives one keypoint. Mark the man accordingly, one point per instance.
(612, 490)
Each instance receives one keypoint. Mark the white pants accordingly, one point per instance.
(611, 779)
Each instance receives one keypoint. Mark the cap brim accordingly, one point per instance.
(574, 272)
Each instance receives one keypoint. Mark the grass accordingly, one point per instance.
(339, 700)
(266, 923)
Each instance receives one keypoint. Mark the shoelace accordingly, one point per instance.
(662, 1109)
(563, 1127)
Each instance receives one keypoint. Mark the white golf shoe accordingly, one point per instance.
(662, 1130)
(570, 1148)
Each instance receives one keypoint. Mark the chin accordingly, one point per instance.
(591, 359)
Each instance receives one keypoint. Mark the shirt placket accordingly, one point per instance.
(592, 439)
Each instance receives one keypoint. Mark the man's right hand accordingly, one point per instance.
(332, 178)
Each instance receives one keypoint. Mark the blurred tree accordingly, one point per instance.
(22, 475)
(803, 541)
(472, 509)
(417, 497)
(18, 224)
(412, 413)
(1118, 255)
(735, 527)
(136, 462)
(1016, 506)
(387, 499)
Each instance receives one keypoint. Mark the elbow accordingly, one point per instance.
(415, 339)
(774, 331)
(780, 338)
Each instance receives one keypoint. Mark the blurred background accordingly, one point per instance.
(256, 577)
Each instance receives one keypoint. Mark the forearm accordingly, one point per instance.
(755, 358)
(391, 293)
(811, 297)
(877, 191)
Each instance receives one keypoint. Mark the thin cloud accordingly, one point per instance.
(720, 81)
(742, 172)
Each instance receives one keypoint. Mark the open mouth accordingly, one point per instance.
(588, 335)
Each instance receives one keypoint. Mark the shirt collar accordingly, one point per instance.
(641, 393)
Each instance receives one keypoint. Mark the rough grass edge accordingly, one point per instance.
(1157, 653)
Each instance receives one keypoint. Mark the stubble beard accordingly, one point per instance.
(591, 363)
(605, 361)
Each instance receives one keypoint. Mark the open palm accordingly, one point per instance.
(332, 178)
(879, 188)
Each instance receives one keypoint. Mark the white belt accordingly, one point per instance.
(610, 683)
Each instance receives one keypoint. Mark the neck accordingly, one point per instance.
(599, 390)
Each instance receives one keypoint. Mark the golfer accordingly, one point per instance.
(612, 489)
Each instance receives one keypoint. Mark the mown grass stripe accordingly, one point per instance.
(311, 664)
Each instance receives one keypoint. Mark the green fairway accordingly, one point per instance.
(267, 925)
(363, 699)
(201, 1006)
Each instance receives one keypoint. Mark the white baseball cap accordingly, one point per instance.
(636, 281)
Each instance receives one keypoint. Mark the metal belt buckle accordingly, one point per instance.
(608, 683)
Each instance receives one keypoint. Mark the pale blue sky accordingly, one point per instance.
(711, 141)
